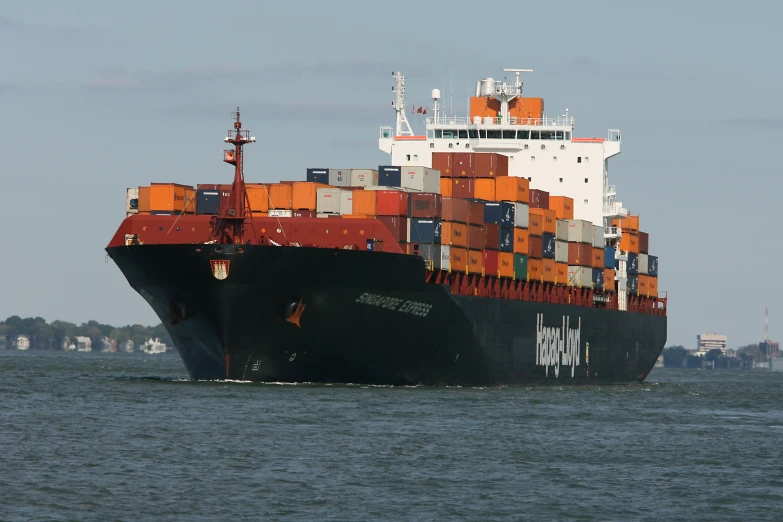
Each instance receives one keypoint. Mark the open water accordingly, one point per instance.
(128, 437)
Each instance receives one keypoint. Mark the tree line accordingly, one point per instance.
(680, 357)
(50, 336)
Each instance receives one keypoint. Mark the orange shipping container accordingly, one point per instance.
(190, 201)
(548, 219)
(512, 188)
(561, 274)
(521, 241)
(535, 270)
(454, 234)
(549, 270)
(563, 206)
(446, 187)
(629, 243)
(357, 216)
(475, 261)
(652, 282)
(630, 223)
(258, 197)
(281, 196)
(506, 265)
(364, 202)
(260, 214)
(485, 188)
(144, 199)
(609, 284)
(535, 224)
(459, 259)
(167, 197)
(598, 258)
(304, 195)
(644, 287)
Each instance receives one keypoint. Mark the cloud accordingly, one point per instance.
(745, 123)
(299, 111)
(114, 79)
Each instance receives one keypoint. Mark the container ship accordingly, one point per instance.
(489, 251)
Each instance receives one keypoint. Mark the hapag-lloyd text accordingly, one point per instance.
(558, 345)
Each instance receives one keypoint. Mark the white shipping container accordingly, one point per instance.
(327, 200)
(580, 231)
(561, 252)
(644, 264)
(580, 276)
(346, 202)
(323, 215)
(521, 215)
(280, 213)
(598, 237)
(422, 179)
(562, 230)
(340, 177)
(384, 187)
(131, 193)
(364, 177)
(445, 257)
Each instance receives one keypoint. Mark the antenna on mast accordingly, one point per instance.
(235, 213)
(403, 127)
(766, 324)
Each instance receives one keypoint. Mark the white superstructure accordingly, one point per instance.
(542, 149)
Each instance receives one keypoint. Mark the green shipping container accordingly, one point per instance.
(520, 267)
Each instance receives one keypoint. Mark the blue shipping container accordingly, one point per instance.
(548, 245)
(633, 263)
(507, 214)
(609, 257)
(506, 240)
(633, 284)
(598, 278)
(425, 230)
(389, 176)
(207, 202)
(492, 212)
(652, 266)
(318, 176)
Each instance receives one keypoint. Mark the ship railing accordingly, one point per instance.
(557, 121)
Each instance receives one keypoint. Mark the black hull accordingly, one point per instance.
(287, 314)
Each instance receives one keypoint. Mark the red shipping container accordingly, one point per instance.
(535, 247)
(405, 247)
(476, 213)
(456, 210)
(491, 262)
(391, 203)
(644, 242)
(463, 165)
(539, 199)
(476, 237)
(490, 165)
(463, 188)
(443, 161)
(426, 204)
(491, 236)
(580, 254)
(397, 225)
(303, 213)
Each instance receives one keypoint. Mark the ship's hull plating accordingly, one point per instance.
(287, 314)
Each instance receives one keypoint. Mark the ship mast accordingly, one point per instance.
(235, 213)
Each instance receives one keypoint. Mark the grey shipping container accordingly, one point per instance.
(422, 179)
(561, 252)
(431, 252)
(346, 202)
(340, 177)
(598, 236)
(364, 178)
(580, 231)
(280, 213)
(522, 215)
(644, 266)
(327, 200)
(561, 232)
(580, 276)
(445, 257)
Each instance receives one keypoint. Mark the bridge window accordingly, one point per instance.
(568, 135)
(523, 135)
(493, 134)
(547, 135)
(463, 134)
(509, 134)
(558, 135)
(535, 135)
(482, 133)
(438, 133)
(449, 134)
(473, 133)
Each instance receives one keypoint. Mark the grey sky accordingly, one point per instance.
(99, 96)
